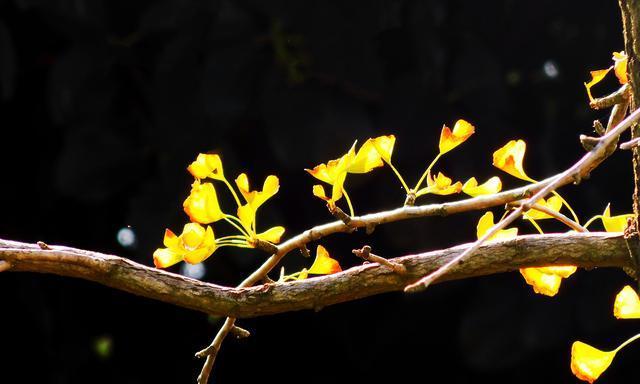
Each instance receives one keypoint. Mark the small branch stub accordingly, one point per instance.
(365, 254)
(239, 333)
(339, 214)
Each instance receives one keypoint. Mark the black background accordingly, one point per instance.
(104, 103)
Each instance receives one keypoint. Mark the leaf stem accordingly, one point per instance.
(426, 172)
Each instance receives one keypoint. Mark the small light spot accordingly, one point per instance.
(550, 69)
(126, 237)
(194, 271)
(103, 347)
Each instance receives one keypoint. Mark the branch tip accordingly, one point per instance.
(239, 333)
(630, 144)
(305, 251)
(4, 265)
(44, 246)
(365, 254)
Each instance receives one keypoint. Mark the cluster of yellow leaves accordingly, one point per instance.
(334, 172)
(619, 67)
(197, 243)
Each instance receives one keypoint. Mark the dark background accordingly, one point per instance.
(104, 103)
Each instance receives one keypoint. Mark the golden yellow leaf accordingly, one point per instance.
(509, 159)
(207, 165)
(366, 159)
(194, 245)
(596, 77)
(202, 204)
(486, 222)
(323, 263)
(489, 187)
(451, 139)
(440, 185)
(271, 235)
(543, 283)
(554, 203)
(587, 362)
(627, 304)
(620, 60)
(614, 223)
(384, 146)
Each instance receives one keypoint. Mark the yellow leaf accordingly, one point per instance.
(271, 235)
(366, 159)
(543, 283)
(614, 223)
(441, 185)
(620, 66)
(194, 245)
(451, 139)
(596, 77)
(334, 172)
(489, 187)
(384, 146)
(562, 271)
(202, 204)
(587, 362)
(554, 203)
(509, 159)
(270, 187)
(165, 257)
(627, 304)
(486, 222)
(324, 264)
(207, 165)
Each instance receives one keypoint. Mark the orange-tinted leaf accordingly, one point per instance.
(366, 159)
(324, 264)
(509, 159)
(451, 139)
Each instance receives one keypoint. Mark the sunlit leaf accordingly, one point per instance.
(596, 77)
(486, 222)
(509, 159)
(587, 362)
(489, 187)
(450, 139)
(202, 204)
(620, 66)
(323, 263)
(627, 304)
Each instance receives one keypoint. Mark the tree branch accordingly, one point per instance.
(583, 249)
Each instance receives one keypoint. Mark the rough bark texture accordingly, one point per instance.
(585, 250)
(630, 10)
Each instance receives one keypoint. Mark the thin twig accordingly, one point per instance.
(555, 214)
(580, 169)
(365, 254)
(630, 144)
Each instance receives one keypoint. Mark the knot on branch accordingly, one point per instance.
(265, 246)
(410, 199)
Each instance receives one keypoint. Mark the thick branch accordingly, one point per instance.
(584, 249)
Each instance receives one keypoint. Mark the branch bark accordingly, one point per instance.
(630, 10)
(582, 249)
